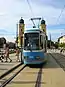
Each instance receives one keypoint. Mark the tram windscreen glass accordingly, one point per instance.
(31, 41)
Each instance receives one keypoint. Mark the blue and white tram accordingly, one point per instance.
(34, 49)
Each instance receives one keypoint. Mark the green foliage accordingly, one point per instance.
(2, 41)
(12, 45)
(48, 43)
(56, 45)
(62, 45)
(12, 51)
(16, 39)
(52, 44)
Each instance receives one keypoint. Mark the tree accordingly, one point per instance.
(11, 45)
(2, 41)
(48, 43)
(62, 45)
(56, 45)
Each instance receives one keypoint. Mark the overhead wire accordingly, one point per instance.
(31, 10)
(30, 7)
(60, 14)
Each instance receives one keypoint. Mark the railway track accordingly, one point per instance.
(26, 76)
(9, 71)
(5, 79)
(59, 59)
(62, 55)
(39, 76)
(37, 82)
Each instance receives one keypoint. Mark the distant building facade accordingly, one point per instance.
(61, 39)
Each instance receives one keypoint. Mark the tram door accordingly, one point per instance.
(42, 42)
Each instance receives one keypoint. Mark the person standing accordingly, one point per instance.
(7, 53)
(17, 54)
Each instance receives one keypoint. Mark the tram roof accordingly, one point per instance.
(29, 30)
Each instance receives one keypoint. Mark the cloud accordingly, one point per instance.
(9, 36)
(7, 33)
(46, 9)
(55, 33)
(12, 10)
(54, 3)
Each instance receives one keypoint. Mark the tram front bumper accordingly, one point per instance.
(37, 60)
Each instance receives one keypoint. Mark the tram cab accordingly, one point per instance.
(34, 48)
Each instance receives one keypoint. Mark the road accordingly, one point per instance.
(50, 75)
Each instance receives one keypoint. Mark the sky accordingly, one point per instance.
(52, 11)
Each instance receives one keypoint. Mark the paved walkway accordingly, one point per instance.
(55, 51)
(5, 66)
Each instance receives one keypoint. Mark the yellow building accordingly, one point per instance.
(61, 39)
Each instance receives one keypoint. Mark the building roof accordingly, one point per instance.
(61, 37)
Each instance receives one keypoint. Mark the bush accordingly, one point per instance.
(62, 45)
(12, 51)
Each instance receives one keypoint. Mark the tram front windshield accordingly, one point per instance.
(31, 41)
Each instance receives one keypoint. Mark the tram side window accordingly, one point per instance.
(25, 40)
(44, 42)
(41, 41)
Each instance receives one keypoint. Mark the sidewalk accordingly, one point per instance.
(55, 51)
(5, 66)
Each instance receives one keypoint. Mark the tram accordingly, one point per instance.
(35, 44)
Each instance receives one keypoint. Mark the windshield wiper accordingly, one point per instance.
(30, 46)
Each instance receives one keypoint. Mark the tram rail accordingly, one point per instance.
(39, 76)
(37, 82)
(59, 62)
(4, 83)
(63, 55)
(9, 71)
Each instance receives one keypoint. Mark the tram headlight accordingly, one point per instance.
(25, 57)
(37, 57)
